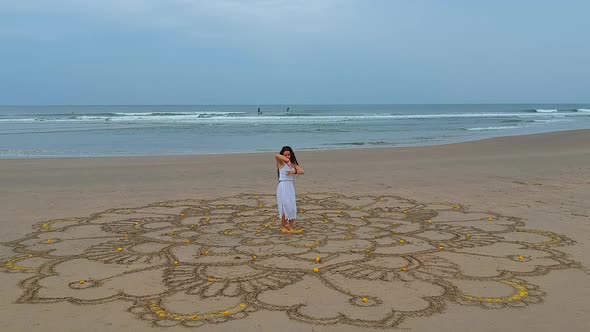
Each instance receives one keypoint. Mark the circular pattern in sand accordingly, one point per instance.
(361, 260)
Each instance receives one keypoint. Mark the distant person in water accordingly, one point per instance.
(287, 169)
(287, 109)
(259, 111)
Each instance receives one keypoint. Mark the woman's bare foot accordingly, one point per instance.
(285, 230)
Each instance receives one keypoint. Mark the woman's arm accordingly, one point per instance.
(281, 158)
(299, 170)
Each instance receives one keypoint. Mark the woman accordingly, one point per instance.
(287, 168)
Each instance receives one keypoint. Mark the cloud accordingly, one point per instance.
(234, 23)
(156, 12)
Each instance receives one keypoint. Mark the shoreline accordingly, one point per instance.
(303, 150)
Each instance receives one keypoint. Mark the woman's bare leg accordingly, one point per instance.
(284, 224)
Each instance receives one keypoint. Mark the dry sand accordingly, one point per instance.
(63, 221)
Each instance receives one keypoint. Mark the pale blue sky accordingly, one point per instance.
(293, 51)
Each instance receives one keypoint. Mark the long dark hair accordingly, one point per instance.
(293, 159)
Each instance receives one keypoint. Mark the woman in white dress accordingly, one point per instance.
(287, 168)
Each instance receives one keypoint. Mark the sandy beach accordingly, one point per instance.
(478, 236)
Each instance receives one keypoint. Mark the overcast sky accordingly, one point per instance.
(293, 51)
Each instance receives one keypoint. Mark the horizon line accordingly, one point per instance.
(293, 104)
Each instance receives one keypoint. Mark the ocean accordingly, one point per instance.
(90, 131)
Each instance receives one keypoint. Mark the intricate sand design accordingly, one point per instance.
(362, 260)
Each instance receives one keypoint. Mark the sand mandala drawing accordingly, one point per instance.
(361, 260)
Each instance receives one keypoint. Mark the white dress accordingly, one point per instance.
(286, 194)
